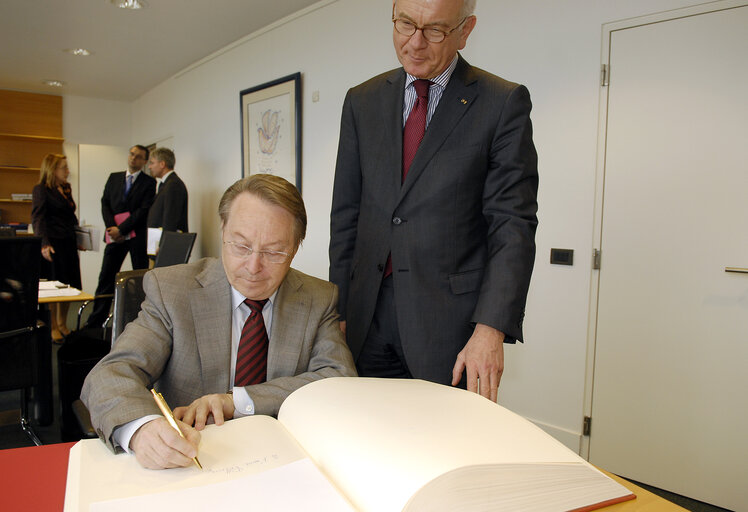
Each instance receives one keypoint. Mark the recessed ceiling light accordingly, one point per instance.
(53, 83)
(129, 4)
(78, 52)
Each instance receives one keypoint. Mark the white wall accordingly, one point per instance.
(96, 121)
(99, 122)
(92, 121)
(552, 47)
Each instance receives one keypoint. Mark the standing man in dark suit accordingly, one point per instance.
(169, 209)
(434, 208)
(124, 206)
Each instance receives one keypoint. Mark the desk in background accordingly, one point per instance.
(40, 402)
(81, 297)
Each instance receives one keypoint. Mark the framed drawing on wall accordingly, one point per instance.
(271, 129)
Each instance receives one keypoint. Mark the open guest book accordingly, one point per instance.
(345, 444)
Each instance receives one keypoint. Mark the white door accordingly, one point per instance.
(670, 392)
(96, 163)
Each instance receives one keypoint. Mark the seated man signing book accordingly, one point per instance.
(220, 338)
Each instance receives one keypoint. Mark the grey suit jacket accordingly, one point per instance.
(181, 344)
(461, 227)
(169, 208)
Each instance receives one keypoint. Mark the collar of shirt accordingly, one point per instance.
(133, 174)
(436, 90)
(239, 308)
(165, 176)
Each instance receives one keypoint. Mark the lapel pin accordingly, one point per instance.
(464, 101)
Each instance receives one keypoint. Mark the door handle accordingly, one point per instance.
(737, 270)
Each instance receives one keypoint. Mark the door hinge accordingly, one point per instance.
(596, 259)
(604, 75)
(586, 426)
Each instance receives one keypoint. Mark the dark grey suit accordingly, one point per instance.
(169, 208)
(461, 227)
(181, 343)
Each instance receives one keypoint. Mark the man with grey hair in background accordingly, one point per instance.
(433, 219)
(169, 208)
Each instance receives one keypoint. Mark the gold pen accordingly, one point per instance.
(166, 411)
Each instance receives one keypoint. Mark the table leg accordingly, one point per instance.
(39, 398)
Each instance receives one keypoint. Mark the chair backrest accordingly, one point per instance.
(174, 248)
(20, 259)
(128, 297)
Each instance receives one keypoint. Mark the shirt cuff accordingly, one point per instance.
(243, 404)
(122, 435)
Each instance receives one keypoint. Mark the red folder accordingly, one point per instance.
(119, 218)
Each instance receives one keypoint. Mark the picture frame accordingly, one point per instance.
(271, 128)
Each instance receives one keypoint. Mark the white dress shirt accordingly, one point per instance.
(243, 403)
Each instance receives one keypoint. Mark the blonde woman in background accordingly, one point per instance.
(54, 220)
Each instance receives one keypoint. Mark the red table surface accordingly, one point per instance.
(34, 478)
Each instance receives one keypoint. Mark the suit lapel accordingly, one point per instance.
(211, 309)
(135, 194)
(164, 183)
(392, 121)
(290, 317)
(455, 102)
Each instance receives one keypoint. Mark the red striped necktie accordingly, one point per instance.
(415, 126)
(252, 355)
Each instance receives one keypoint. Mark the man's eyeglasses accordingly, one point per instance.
(430, 33)
(242, 251)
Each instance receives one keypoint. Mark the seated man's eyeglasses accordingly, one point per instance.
(431, 33)
(242, 251)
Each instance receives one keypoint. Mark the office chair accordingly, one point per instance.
(21, 342)
(77, 358)
(128, 296)
(174, 248)
(87, 303)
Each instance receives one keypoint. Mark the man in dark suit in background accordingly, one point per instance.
(124, 206)
(169, 209)
(434, 208)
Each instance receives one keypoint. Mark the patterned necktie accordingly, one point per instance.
(415, 126)
(252, 355)
(128, 184)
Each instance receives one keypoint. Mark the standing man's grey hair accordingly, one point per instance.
(468, 8)
(166, 156)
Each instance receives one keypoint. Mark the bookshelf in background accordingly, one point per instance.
(30, 127)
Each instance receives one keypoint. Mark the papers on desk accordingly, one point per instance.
(356, 444)
(154, 238)
(56, 289)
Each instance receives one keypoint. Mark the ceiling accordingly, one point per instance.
(132, 51)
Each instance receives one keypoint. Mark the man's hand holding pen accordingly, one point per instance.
(158, 446)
